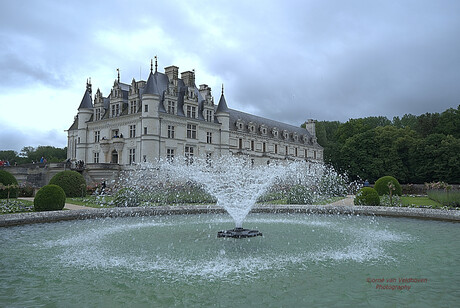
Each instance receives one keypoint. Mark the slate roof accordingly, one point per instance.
(87, 101)
(222, 106)
(236, 115)
(74, 125)
(157, 84)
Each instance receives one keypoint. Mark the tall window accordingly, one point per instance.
(170, 131)
(98, 114)
(146, 108)
(295, 151)
(133, 107)
(191, 131)
(132, 131)
(240, 143)
(171, 107)
(189, 152)
(208, 137)
(169, 154)
(132, 156)
(264, 147)
(115, 133)
(145, 130)
(314, 154)
(276, 149)
(97, 135)
(96, 157)
(286, 150)
(191, 111)
(306, 153)
(209, 115)
(252, 145)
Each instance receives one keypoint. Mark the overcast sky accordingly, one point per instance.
(284, 60)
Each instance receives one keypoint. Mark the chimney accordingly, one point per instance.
(189, 78)
(172, 72)
(310, 125)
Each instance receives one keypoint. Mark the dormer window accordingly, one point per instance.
(304, 138)
(209, 115)
(191, 111)
(115, 110)
(251, 127)
(275, 132)
(133, 106)
(296, 137)
(263, 129)
(171, 107)
(239, 125)
(98, 114)
(285, 134)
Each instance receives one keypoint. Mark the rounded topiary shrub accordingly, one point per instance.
(72, 182)
(367, 196)
(300, 194)
(6, 179)
(381, 186)
(127, 197)
(49, 198)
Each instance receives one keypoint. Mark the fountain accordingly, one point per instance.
(233, 181)
(174, 260)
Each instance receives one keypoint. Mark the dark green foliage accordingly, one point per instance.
(127, 197)
(30, 154)
(51, 154)
(414, 149)
(72, 182)
(49, 198)
(367, 196)
(6, 179)
(381, 186)
(300, 194)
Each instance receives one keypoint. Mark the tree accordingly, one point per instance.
(50, 153)
(9, 155)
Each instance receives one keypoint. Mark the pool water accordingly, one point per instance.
(164, 261)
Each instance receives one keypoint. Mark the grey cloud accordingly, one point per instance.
(15, 139)
(330, 60)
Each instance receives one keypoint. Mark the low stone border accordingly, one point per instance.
(54, 216)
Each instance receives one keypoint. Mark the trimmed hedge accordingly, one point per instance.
(381, 186)
(367, 196)
(127, 197)
(7, 178)
(49, 198)
(72, 182)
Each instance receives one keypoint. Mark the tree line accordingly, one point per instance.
(34, 155)
(414, 149)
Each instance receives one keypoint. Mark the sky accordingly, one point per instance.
(329, 60)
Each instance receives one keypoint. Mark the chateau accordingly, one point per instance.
(167, 116)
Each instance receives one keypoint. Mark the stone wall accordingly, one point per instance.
(39, 175)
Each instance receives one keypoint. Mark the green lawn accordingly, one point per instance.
(419, 201)
(92, 201)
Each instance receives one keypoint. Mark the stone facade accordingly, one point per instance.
(167, 116)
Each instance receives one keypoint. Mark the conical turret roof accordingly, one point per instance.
(222, 107)
(87, 101)
(152, 87)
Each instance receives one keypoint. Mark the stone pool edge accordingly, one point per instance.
(7, 220)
